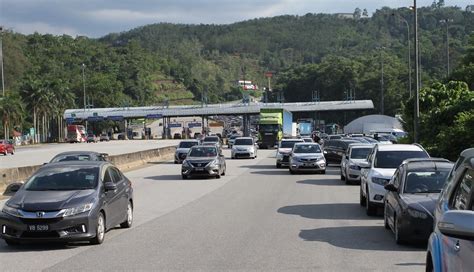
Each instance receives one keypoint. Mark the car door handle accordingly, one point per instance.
(457, 246)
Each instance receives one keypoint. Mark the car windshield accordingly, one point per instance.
(187, 144)
(307, 149)
(288, 144)
(426, 181)
(335, 137)
(268, 128)
(211, 139)
(203, 152)
(64, 178)
(243, 142)
(360, 153)
(72, 157)
(392, 159)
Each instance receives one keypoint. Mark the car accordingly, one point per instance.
(244, 147)
(284, 150)
(411, 197)
(451, 244)
(334, 149)
(105, 138)
(212, 140)
(121, 136)
(69, 201)
(79, 156)
(177, 136)
(335, 137)
(183, 149)
(91, 138)
(350, 163)
(204, 161)
(231, 140)
(307, 157)
(6, 146)
(381, 164)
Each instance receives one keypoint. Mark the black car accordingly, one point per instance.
(204, 161)
(69, 201)
(333, 150)
(412, 195)
(79, 156)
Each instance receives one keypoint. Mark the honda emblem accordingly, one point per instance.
(40, 214)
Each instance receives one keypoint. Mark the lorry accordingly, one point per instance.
(274, 125)
(76, 134)
(305, 127)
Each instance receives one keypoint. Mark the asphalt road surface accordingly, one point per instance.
(38, 154)
(257, 217)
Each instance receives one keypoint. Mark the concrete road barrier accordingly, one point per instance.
(123, 161)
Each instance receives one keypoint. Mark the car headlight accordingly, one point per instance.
(279, 155)
(186, 163)
(77, 210)
(380, 181)
(214, 163)
(417, 214)
(354, 167)
(12, 211)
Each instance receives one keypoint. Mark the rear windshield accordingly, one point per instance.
(426, 181)
(392, 159)
(289, 144)
(64, 179)
(61, 158)
(307, 149)
(307, 140)
(187, 144)
(243, 142)
(360, 153)
(211, 139)
(203, 152)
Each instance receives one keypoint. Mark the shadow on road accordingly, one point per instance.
(322, 182)
(259, 166)
(34, 247)
(336, 211)
(276, 172)
(165, 177)
(358, 237)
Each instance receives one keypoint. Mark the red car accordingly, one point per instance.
(6, 147)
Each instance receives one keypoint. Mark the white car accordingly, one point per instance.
(351, 161)
(183, 149)
(381, 164)
(284, 151)
(244, 147)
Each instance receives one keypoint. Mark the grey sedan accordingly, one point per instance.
(207, 161)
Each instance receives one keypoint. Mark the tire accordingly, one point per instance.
(128, 222)
(278, 165)
(342, 176)
(223, 172)
(385, 219)
(11, 242)
(370, 209)
(292, 172)
(184, 177)
(398, 237)
(99, 230)
(5, 153)
(362, 197)
(218, 176)
(429, 263)
(13, 152)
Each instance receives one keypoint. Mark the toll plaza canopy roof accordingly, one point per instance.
(155, 112)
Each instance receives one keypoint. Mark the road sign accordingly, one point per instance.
(269, 74)
(174, 125)
(194, 124)
(115, 118)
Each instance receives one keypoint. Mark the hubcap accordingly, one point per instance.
(129, 214)
(100, 228)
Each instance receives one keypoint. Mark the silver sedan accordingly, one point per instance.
(307, 157)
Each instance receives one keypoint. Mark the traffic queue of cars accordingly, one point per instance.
(423, 198)
(77, 196)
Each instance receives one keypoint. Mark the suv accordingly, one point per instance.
(381, 164)
(284, 151)
(451, 244)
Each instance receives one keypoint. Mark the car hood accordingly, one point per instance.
(50, 200)
(284, 150)
(200, 159)
(182, 150)
(386, 173)
(243, 147)
(308, 155)
(422, 202)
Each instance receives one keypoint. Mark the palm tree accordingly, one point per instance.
(11, 112)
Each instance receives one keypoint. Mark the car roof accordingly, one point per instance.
(427, 163)
(467, 153)
(399, 147)
(76, 163)
(361, 145)
(78, 153)
(244, 138)
(292, 140)
(306, 143)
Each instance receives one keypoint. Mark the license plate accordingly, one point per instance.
(308, 164)
(199, 169)
(38, 227)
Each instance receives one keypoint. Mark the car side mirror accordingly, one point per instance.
(325, 152)
(364, 165)
(12, 189)
(110, 186)
(457, 223)
(391, 187)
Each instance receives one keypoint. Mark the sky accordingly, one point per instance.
(96, 18)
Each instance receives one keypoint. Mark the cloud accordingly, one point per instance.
(40, 27)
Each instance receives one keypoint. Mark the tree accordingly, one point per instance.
(11, 112)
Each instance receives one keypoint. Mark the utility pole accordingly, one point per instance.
(381, 81)
(416, 114)
(1, 60)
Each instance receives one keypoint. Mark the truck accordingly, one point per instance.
(305, 127)
(274, 125)
(76, 134)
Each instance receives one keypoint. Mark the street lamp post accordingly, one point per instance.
(416, 114)
(409, 53)
(84, 90)
(446, 22)
(1, 60)
(382, 87)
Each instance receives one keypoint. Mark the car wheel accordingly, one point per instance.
(342, 176)
(11, 242)
(5, 153)
(184, 177)
(13, 152)
(218, 176)
(175, 162)
(128, 222)
(291, 171)
(362, 197)
(429, 263)
(278, 165)
(99, 230)
(385, 219)
(396, 229)
(370, 209)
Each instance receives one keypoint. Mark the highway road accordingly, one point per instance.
(38, 154)
(257, 217)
